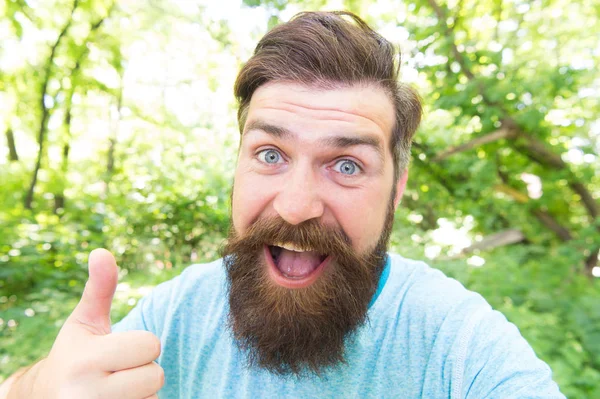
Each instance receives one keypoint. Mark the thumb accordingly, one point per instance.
(93, 309)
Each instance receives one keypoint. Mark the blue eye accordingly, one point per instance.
(269, 156)
(346, 167)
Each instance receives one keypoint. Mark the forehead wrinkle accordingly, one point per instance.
(354, 104)
(283, 133)
(344, 115)
(340, 118)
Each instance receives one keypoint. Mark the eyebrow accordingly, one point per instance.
(273, 130)
(340, 141)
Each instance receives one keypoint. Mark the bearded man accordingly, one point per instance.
(305, 302)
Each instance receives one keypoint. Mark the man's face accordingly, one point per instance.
(312, 210)
(308, 154)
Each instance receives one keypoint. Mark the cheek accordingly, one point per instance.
(250, 198)
(362, 216)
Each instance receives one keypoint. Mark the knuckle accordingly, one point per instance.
(160, 377)
(154, 377)
(147, 342)
(154, 345)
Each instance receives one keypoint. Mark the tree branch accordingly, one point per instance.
(539, 152)
(500, 239)
(499, 134)
(543, 216)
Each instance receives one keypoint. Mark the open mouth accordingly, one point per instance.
(294, 267)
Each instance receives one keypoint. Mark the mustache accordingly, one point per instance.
(310, 234)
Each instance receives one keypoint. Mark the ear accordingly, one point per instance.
(400, 186)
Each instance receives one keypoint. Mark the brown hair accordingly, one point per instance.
(328, 50)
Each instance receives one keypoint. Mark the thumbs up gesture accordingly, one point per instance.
(87, 361)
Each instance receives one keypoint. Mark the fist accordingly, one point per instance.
(87, 360)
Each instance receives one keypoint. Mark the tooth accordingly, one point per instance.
(291, 247)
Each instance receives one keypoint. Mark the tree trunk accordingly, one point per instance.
(110, 158)
(591, 261)
(13, 156)
(38, 163)
(59, 195)
(43, 127)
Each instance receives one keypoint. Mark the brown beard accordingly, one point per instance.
(295, 331)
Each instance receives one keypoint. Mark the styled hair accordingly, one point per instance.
(329, 50)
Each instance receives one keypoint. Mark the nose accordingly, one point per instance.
(299, 199)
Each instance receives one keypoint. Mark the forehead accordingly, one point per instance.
(365, 108)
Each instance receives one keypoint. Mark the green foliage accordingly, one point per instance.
(139, 146)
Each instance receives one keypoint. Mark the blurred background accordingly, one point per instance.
(118, 130)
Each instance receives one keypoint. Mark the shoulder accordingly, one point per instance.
(424, 300)
(417, 287)
(479, 350)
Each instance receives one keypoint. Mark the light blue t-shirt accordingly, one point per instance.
(427, 337)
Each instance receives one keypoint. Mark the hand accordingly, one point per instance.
(87, 361)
